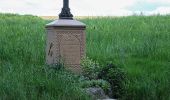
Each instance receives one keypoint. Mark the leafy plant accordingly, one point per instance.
(115, 76)
(90, 68)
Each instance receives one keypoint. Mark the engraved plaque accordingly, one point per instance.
(70, 49)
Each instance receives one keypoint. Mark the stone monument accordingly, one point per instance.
(66, 40)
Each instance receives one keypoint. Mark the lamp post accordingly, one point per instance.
(65, 13)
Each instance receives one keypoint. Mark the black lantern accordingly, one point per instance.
(65, 13)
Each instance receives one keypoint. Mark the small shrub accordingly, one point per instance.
(97, 83)
(115, 76)
(90, 68)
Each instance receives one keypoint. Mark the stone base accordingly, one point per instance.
(66, 43)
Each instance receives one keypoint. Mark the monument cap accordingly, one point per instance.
(66, 23)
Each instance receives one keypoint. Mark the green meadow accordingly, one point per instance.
(138, 44)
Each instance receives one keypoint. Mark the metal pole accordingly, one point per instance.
(66, 3)
(65, 13)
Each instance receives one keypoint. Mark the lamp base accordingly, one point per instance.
(65, 14)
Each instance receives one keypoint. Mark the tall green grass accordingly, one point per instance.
(23, 73)
(138, 44)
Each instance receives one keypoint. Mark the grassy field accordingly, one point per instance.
(138, 44)
(141, 45)
(23, 74)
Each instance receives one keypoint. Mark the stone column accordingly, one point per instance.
(66, 42)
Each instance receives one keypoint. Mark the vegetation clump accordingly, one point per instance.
(116, 76)
(90, 68)
(110, 77)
